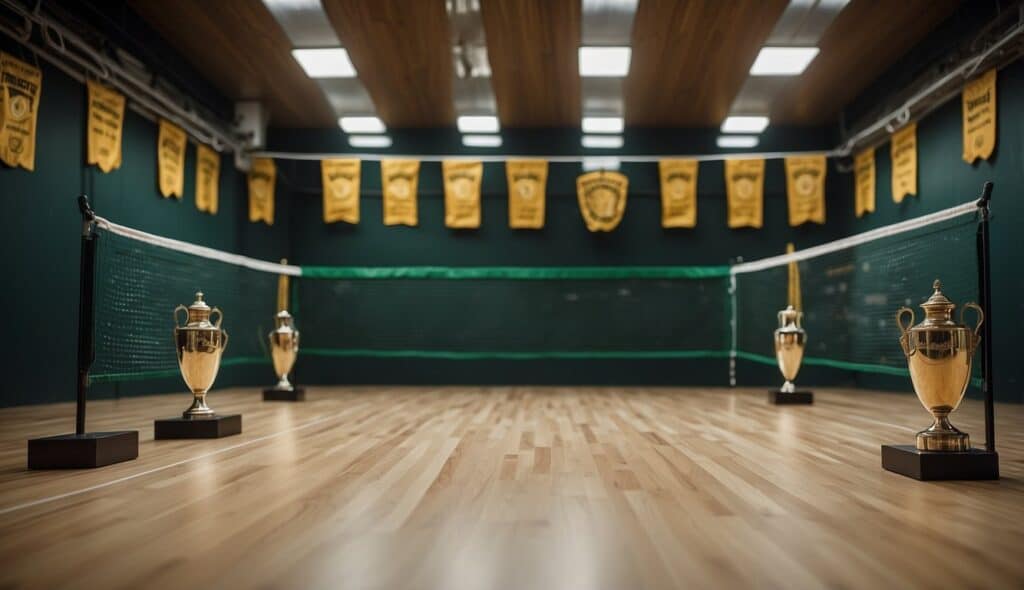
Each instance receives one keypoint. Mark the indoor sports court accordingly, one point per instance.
(512, 294)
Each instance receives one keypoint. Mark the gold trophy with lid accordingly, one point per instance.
(199, 344)
(790, 341)
(940, 354)
(284, 348)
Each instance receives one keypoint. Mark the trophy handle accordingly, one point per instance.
(904, 335)
(981, 319)
(176, 310)
(220, 316)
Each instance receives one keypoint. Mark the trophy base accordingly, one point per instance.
(295, 394)
(216, 427)
(776, 396)
(940, 465)
(83, 451)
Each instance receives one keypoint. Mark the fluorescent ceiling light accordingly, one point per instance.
(325, 63)
(489, 141)
(744, 124)
(602, 124)
(737, 141)
(604, 62)
(478, 124)
(602, 141)
(782, 61)
(369, 141)
(362, 125)
(604, 163)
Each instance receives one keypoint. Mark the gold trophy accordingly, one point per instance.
(284, 348)
(199, 345)
(790, 340)
(939, 354)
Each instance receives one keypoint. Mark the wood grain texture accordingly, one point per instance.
(239, 47)
(532, 46)
(402, 52)
(513, 487)
(690, 58)
(865, 39)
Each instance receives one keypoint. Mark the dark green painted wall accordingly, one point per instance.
(41, 238)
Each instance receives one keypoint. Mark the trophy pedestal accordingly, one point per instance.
(217, 426)
(940, 465)
(776, 396)
(296, 394)
(83, 451)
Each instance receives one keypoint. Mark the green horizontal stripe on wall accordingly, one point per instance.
(527, 273)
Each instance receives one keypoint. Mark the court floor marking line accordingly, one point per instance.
(112, 482)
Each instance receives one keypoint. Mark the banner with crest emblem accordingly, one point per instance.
(105, 125)
(340, 180)
(864, 181)
(602, 198)
(744, 191)
(262, 177)
(903, 150)
(207, 179)
(462, 193)
(678, 192)
(399, 179)
(170, 146)
(20, 89)
(979, 109)
(805, 189)
(527, 183)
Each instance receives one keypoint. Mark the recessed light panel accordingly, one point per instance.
(609, 142)
(602, 125)
(744, 124)
(488, 141)
(369, 141)
(478, 124)
(604, 62)
(737, 141)
(362, 125)
(782, 61)
(330, 62)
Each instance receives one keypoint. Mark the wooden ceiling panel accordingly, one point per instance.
(690, 58)
(865, 39)
(242, 50)
(402, 51)
(532, 46)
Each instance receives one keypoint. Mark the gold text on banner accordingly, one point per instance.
(340, 180)
(678, 193)
(262, 177)
(20, 90)
(171, 143)
(904, 162)
(864, 181)
(527, 183)
(744, 190)
(462, 193)
(805, 189)
(105, 126)
(979, 108)
(207, 179)
(399, 179)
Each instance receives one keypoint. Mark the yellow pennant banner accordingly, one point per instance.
(602, 198)
(864, 181)
(904, 162)
(400, 179)
(262, 177)
(20, 89)
(105, 126)
(462, 193)
(207, 179)
(527, 183)
(979, 107)
(678, 193)
(744, 191)
(171, 144)
(340, 180)
(805, 189)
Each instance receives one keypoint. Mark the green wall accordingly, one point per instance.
(41, 238)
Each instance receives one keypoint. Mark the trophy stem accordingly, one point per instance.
(942, 436)
(198, 409)
(788, 387)
(284, 384)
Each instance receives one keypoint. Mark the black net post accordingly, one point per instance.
(985, 289)
(86, 343)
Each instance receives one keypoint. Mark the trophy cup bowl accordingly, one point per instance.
(939, 355)
(284, 348)
(790, 340)
(199, 345)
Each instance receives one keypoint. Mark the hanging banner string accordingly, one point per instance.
(557, 159)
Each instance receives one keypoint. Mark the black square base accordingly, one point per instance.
(296, 394)
(215, 427)
(85, 451)
(797, 397)
(939, 465)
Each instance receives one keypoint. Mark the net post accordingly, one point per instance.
(86, 344)
(985, 289)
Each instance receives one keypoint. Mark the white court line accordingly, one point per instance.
(112, 482)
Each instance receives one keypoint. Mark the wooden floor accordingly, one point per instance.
(533, 488)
